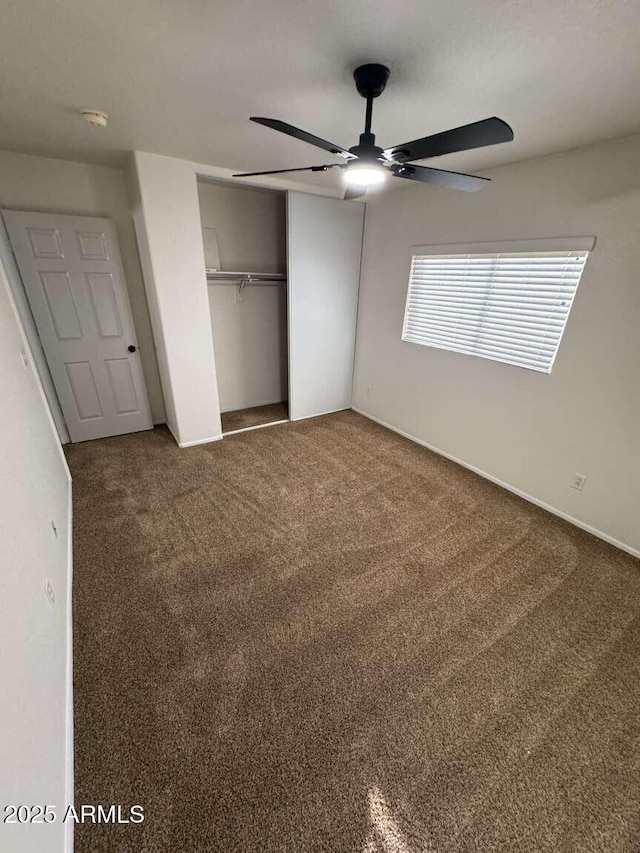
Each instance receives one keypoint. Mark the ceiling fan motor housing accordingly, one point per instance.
(367, 150)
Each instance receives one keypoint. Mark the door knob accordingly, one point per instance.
(131, 348)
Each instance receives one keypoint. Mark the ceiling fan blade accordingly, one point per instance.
(454, 180)
(354, 192)
(324, 168)
(489, 131)
(290, 130)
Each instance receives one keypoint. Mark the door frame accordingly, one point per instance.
(23, 307)
(283, 194)
(157, 214)
(204, 172)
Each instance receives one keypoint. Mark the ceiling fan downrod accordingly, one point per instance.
(370, 80)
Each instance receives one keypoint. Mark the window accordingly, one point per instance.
(507, 302)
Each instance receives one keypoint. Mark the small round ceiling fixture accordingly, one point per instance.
(97, 118)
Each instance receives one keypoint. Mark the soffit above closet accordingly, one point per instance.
(181, 79)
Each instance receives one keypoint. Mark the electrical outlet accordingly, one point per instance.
(578, 482)
(48, 591)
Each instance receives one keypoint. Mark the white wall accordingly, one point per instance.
(530, 430)
(250, 342)
(249, 337)
(60, 186)
(36, 765)
(251, 225)
(167, 216)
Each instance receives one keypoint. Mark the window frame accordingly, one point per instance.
(493, 248)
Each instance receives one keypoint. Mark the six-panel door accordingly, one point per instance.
(72, 273)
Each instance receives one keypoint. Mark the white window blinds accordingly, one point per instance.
(507, 306)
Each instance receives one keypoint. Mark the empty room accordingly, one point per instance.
(320, 434)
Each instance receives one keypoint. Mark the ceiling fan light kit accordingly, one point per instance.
(364, 175)
(367, 165)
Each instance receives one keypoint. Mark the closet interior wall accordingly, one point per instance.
(248, 226)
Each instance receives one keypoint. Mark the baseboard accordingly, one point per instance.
(183, 444)
(199, 441)
(69, 754)
(576, 522)
(328, 412)
(257, 426)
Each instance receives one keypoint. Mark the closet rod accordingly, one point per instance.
(248, 277)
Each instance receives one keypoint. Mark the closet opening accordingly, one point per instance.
(245, 247)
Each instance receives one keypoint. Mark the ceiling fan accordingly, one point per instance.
(367, 165)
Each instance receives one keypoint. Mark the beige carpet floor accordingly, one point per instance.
(322, 637)
(256, 416)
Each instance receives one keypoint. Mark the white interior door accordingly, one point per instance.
(324, 249)
(72, 273)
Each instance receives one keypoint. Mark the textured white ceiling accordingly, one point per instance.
(181, 78)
